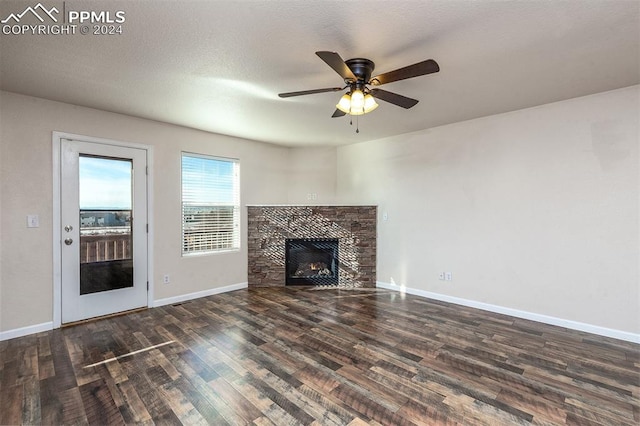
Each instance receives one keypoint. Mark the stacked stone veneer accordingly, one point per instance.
(353, 226)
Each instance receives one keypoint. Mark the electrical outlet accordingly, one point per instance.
(166, 279)
(448, 276)
(441, 276)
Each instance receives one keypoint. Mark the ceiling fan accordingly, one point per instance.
(356, 73)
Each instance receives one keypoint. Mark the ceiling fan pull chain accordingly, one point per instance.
(357, 123)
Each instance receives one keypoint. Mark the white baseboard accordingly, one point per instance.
(23, 331)
(198, 294)
(574, 325)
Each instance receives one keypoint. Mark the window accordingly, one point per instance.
(210, 204)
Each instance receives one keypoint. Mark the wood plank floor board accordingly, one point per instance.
(99, 405)
(305, 356)
(31, 412)
(271, 410)
(597, 414)
(200, 394)
(133, 410)
(597, 406)
(404, 386)
(316, 358)
(343, 357)
(267, 363)
(308, 409)
(199, 366)
(621, 375)
(525, 359)
(462, 379)
(542, 410)
(430, 414)
(388, 397)
(370, 408)
(337, 408)
(572, 385)
(236, 400)
(317, 379)
(190, 390)
(257, 363)
(380, 355)
(184, 410)
(153, 402)
(11, 412)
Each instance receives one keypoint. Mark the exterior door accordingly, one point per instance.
(103, 229)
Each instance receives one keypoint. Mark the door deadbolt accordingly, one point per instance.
(68, 228)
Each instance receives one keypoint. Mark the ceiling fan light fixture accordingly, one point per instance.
(344, 104)
(357, 100)
(357, 103)
(369, 103)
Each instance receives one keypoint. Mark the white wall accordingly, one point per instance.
(26, 274)
(313, 172)
(535, 210)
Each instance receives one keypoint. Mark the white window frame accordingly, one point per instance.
(208, 242)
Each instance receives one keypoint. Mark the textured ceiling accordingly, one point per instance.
(219, 65)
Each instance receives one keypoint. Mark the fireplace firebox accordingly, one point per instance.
(311, 261)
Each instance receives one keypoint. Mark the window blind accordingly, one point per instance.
(210, 204)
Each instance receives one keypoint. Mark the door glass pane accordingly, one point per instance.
(106, 261)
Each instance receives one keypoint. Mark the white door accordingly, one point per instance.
(103, 229)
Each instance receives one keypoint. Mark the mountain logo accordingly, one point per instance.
(34, 11)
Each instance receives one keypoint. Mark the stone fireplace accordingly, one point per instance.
(312, 245)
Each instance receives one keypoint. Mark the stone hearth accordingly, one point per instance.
(353, 226)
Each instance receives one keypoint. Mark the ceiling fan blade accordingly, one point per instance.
(309, 92)
(335, 61)
(338, 113)
(393, 98)
(421, 68)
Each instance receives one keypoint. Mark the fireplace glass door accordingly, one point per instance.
(312, 261)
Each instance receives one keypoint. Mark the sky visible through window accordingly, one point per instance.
(105, 183)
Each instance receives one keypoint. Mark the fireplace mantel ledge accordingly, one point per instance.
(311, 205)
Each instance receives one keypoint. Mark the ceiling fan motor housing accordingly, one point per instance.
(362, 68)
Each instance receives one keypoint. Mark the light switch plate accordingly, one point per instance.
(33, 221)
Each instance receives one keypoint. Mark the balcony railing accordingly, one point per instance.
(105, 234)
(102, 248)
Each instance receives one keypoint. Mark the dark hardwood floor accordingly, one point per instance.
(323, 357)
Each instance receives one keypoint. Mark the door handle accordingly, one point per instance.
(68, 241)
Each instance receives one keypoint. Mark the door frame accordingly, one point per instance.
(56, 139)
